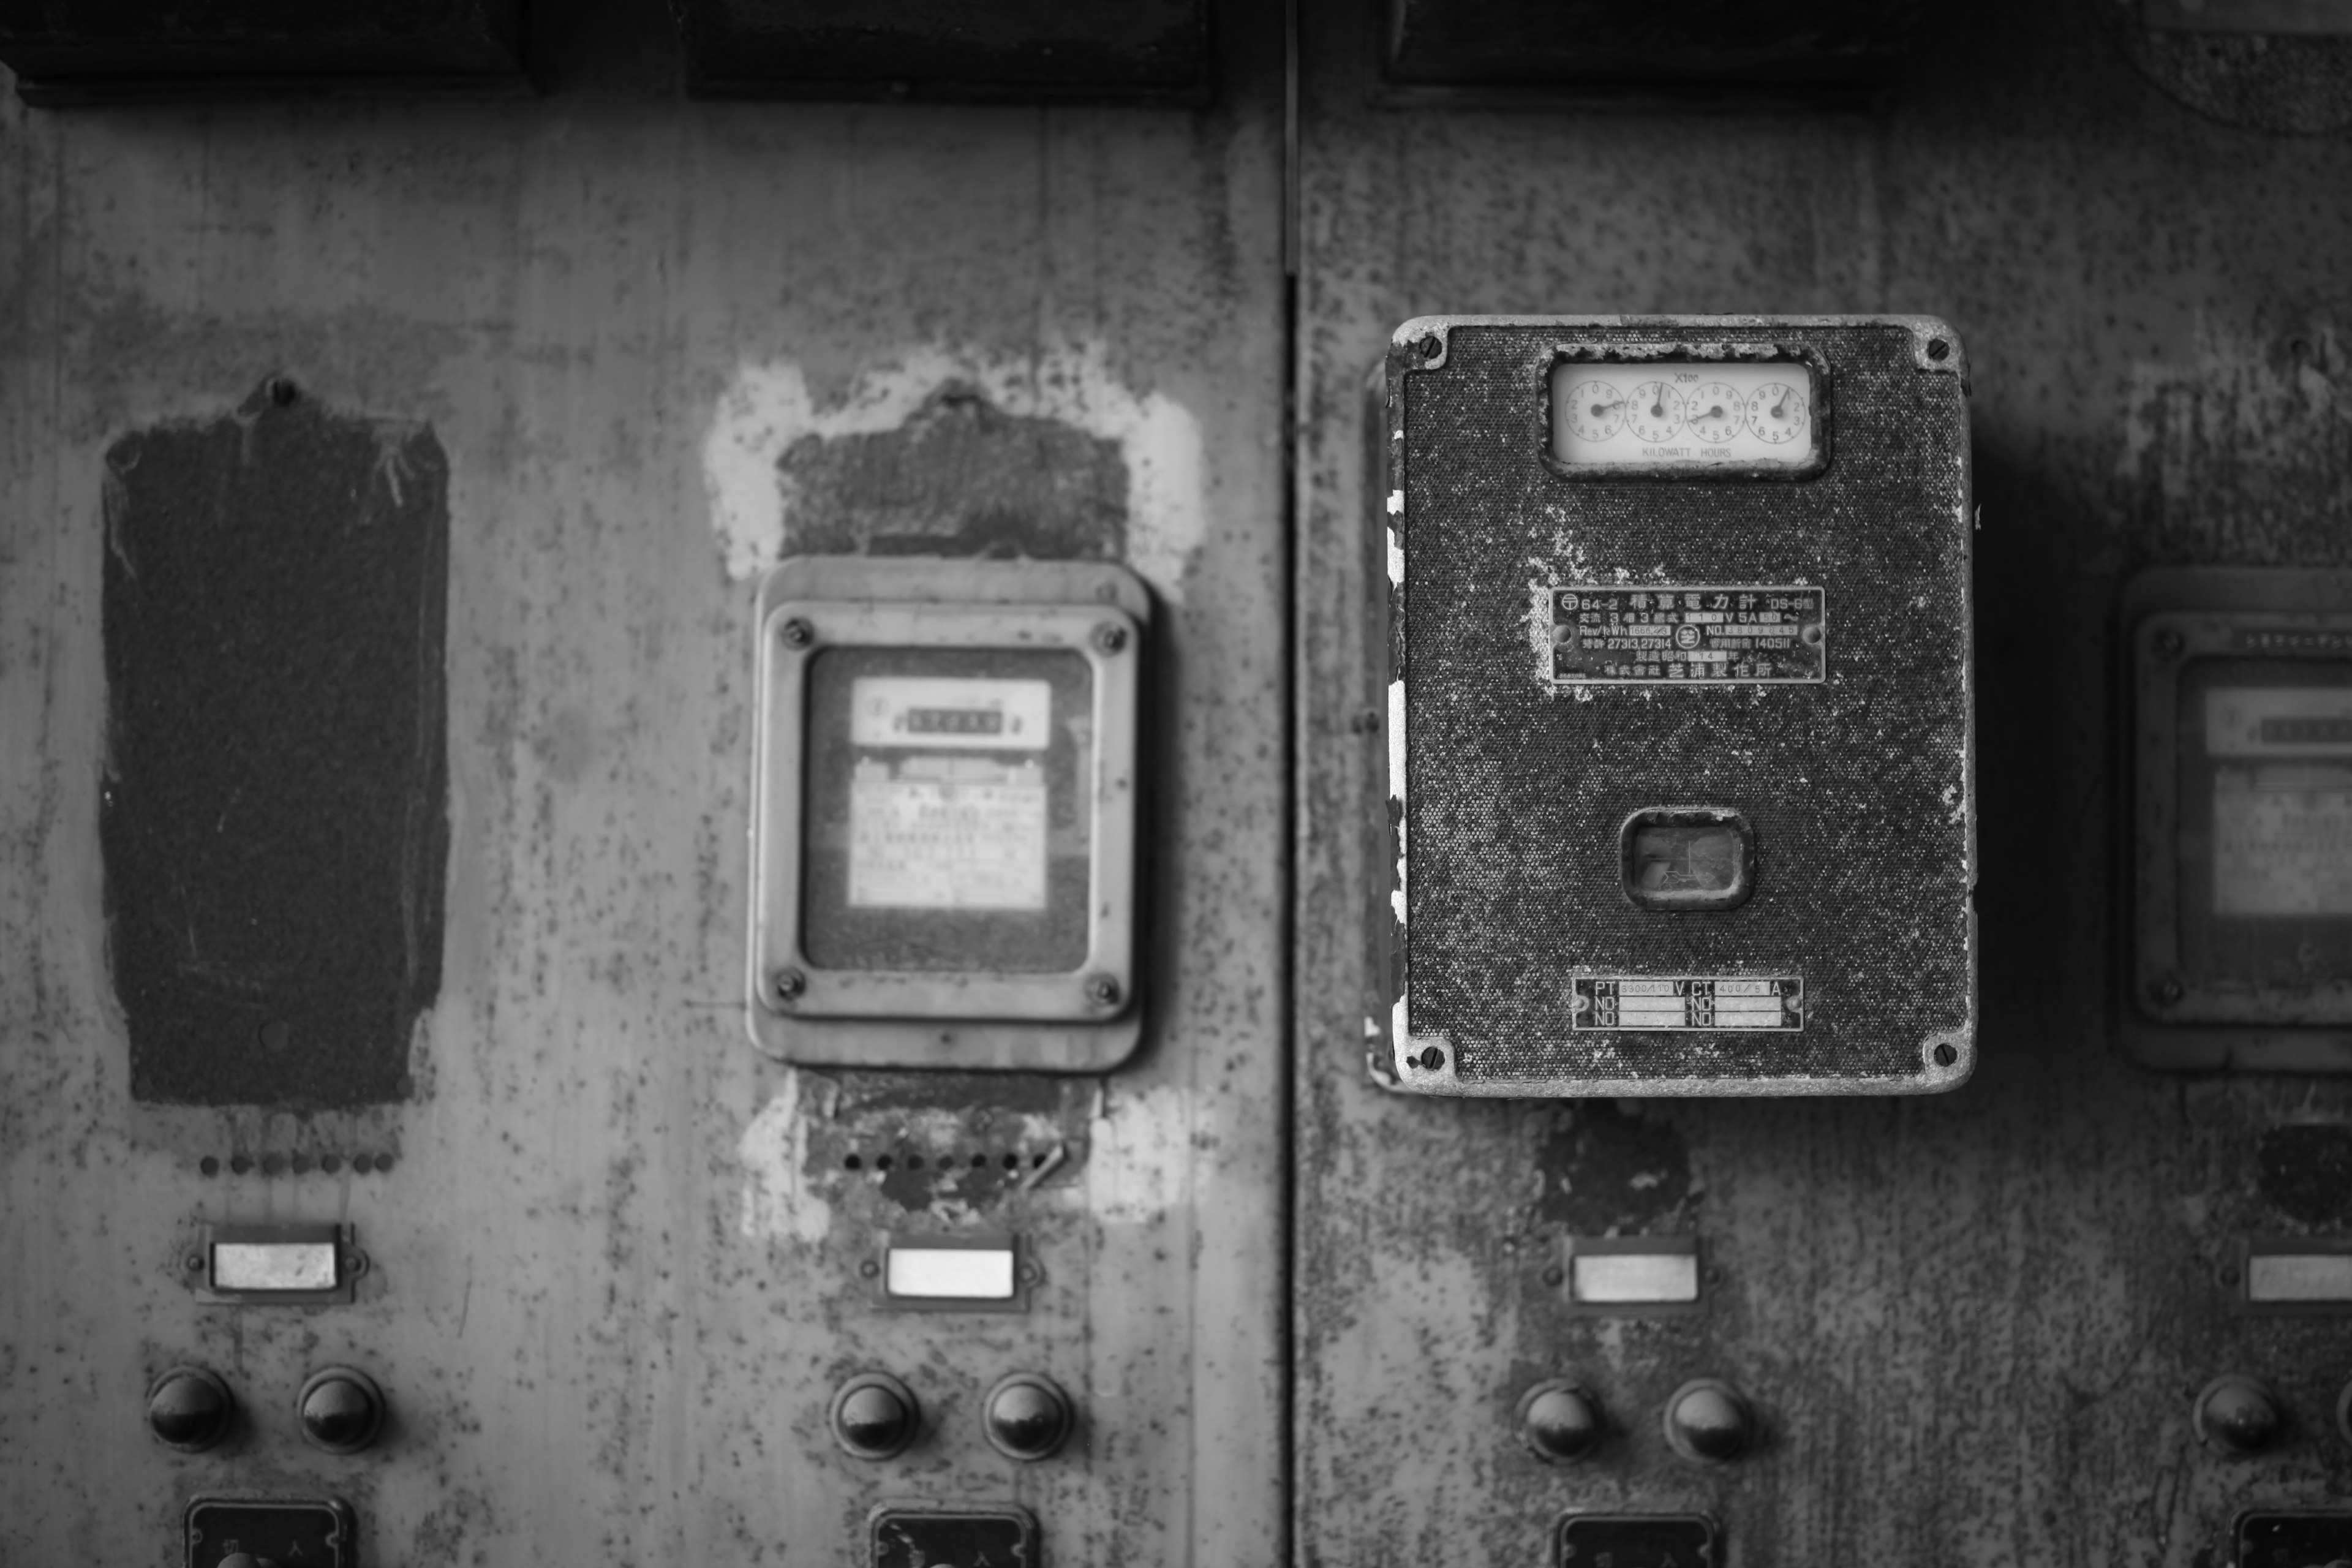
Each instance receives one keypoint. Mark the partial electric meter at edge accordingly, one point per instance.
(945, 821)
(1680, 752)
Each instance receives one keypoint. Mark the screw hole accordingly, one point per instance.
(209, 1165)
(914, 1161)
(299, 1164)
(882, 1163)
(852, 1164)
(362, 1164)
(979, 1161)
(238, 1164)
(330, 1164)
(1013, 1161)
(282, 391)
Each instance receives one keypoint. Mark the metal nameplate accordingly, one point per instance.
(1665, 634)
(1643, 1002)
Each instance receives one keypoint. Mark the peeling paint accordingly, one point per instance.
(769, 408)
(770, 1155)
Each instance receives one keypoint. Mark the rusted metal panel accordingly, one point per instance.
(616, 1257)
(1973, 1327)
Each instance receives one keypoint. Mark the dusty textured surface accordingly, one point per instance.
(1973, 1323)
(617, 1257)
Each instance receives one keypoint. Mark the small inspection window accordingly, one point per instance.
(1688, 858)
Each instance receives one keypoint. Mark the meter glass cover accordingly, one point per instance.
(950, 820)
(2265, 842)
(1644, 413)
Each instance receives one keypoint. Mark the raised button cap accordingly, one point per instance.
(1028, 1416)
(875, 1416)
(1709, 1422)
(189, 1408)
(2237, 1416)
(341, 1409)
(1559, 1420)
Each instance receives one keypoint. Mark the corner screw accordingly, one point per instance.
(1102, 991)
(2169, 642)
(357, 1262)
(195, 1262)
(1110, 637)
(282, 391)
(1433, 1058)
(798, 632)
(1430, 348)
(785, 986)
(1555, 1275)
(1939, 349)
(2170, 991)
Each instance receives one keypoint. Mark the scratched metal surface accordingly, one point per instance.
(1974, 1324)
(617, 1254)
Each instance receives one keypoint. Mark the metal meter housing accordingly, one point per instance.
(2239, 866)
(1681, 793)
(946, 816)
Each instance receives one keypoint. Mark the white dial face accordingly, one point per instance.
(1595, 410)
(1647, 408)
(1657, 412)
(1715, 410)
(1776, 413)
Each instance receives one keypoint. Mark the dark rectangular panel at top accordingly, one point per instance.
(1127, 50)
(273, 812)
(99, 50)
(1584, 42)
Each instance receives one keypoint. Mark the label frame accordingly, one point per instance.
(1554, 592)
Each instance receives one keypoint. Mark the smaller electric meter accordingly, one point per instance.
(945, 819)
(2241, 801)
(1680, 793)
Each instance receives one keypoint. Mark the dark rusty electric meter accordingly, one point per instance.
(2241, 800)
(1681, 787)
(945, 816)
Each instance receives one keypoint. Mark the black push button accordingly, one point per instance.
(189, 1408)
(1709, 1422)
(2237, 1416)
(341, 1410)
(874, 1416)
(1028, 1418)
(1559, 1420)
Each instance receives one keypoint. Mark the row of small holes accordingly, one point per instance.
(914, 1161)
(273, 1164)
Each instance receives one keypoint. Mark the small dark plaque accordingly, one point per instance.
(1763, 634)
(954, 1538)
(1639, 1541)
(294, 1532)
(2294, 1540)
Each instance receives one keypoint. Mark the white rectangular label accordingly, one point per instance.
(1633, 1277)
(2299, 1277)
(954, 712)
(2282, 843)
(951, 1273)
(1689, 1002)
(273, 1265)
(970, 841)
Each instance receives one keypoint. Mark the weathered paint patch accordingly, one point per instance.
(273, 812)
(1606, 1173)
(777, 464)
(2305, 1172)
(770, 1155)
(1142, 1153)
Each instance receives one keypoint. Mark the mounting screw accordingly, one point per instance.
(2170, 991)
(1555, 1275)
(2169, 642)
(869, 1268)
(356, 1262)
(785, 987)
(798, 632)
(193, 1262)
(1433, 1058)
(282, 391)
(1110, 637)
(1430, 348)
(1102, 991)
(1939, 349)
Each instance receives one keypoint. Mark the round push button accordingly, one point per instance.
(2237, 1416)
(1028, 1418)
(1708, 1422)
(1559, 1420)
(341, 1409)
(875, 1416)
(189, 1408)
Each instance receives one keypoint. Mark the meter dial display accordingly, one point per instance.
(1656, 412)
(1776, 412)
(1715, 411)
(1595, 410)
